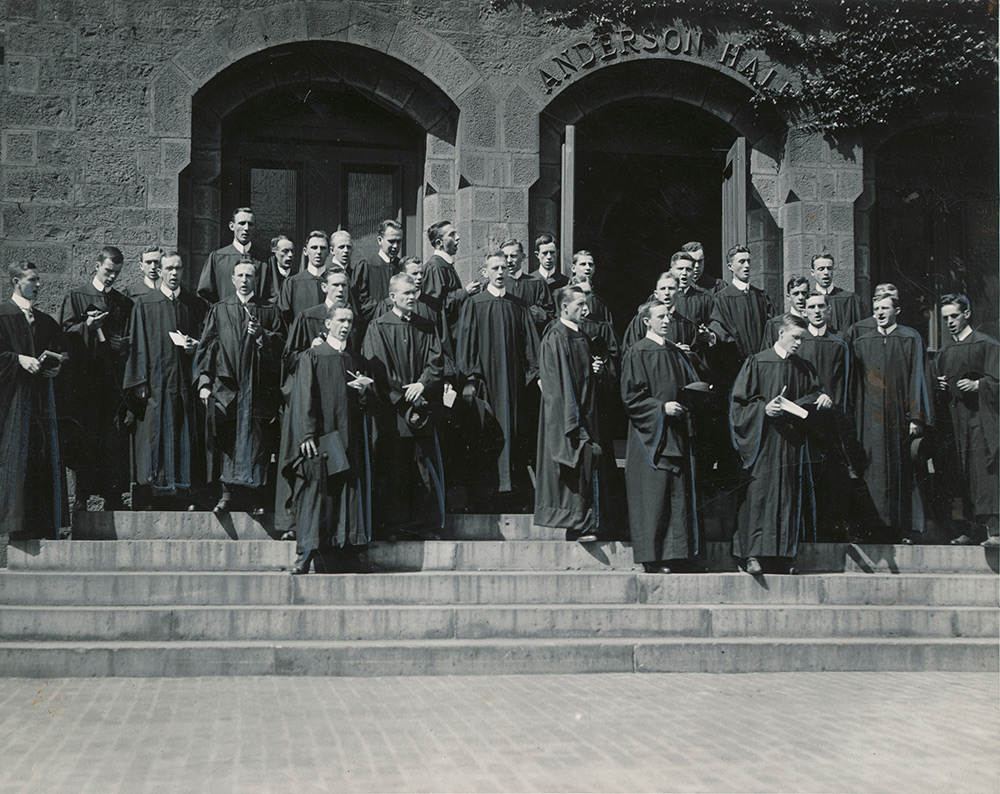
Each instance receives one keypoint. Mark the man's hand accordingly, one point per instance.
(707, 336)
(773, 408)
(916, 428)
(823, 402)
(29, 363)
(413, 391)
(308, 448)
(473, 287)
(95, 318)
(254, 328)
(204, 394)
(967, 385)
(118, 343)
(190, 345)
(317, 341)
(597, 365)
(685, 348)
(673, 408)
(468, 392)
(51, 373)
(942, 383)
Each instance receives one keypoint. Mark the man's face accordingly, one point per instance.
(149, 264)
(335, 288)
(514, 257)
(546, 254)
(415, 270)
(242, 226)
(27, 285)
(822, 272)
(171, 271)
(584, 266)
(815, 311)
(449, 240)
(790, 337)
(404, 298)
(391, 242)
(666, 291)
(797, 297)
(106, 273)
(339, 326)
(698, 263)
(244, 278)
(342, 248)
(657, 322)
(740, 266)
(955, 318)
(494, 271)
(684, 270)
(284, 254)
(885, 312)
(575, 310)
(316, 250)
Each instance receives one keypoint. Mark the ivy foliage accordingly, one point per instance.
(861, 62)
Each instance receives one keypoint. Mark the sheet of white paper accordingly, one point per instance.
(792, 408)
(178, 338)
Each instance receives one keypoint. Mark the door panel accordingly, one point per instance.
(371, 194)
(567, 199)
(734, 199)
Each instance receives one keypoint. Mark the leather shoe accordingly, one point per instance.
(962, 540)
(257, 512)
(222, 506)
(299, 569)
(992, 542)
(289, 535)
(753, 566)
(588, 537)
(906, 541)
(792, 570)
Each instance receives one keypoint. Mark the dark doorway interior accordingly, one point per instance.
(649, 176)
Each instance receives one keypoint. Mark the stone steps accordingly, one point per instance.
(494, 621)
(494, 656)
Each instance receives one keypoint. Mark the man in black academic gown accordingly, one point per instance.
(583, 268)
(413, 267)
(380, 268)
(216, 281)
(497, 361)
(796, 292)
(442, 289)
(867, 323)
(846, 308)
(159, 386)
(891, 409)
(679, 329)
(659, 459)
(305, 289)
(692, 301)
(237, 370)
(94, 317)
(533, 291)
(568, 482)
(547, 256)
(966, 371)
(699, 277)
(404, 354)
(776, 508)
(32, 491)
(149, 266)
(328, 453)
(281, 266)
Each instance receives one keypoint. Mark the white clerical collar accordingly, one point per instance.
(335, 343)
(887, 331)
(315, 272)
(651, 334)
(782, 353)
(742, 286)
(569, 324)
(99, 286)
(496, 293)
(796, 312)
(519, 274)
(821, 331)
(824, 290)
(964, 334)
(242, 299)
(169, 292)
(151, 284)
(399, 313)
(242, 249)
(384, 256)
(22, 302)
(445, 256)
(328, 303)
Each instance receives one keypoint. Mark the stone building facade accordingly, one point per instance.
(136, 122)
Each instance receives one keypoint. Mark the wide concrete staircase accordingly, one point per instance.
(178, 594)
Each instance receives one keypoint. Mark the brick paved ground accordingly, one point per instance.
(892, 732)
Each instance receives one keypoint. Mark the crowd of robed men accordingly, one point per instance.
(347, 393)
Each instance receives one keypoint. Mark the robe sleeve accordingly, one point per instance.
(566, 435)
(645, 412)
(137, 366)
(467, 338)
(375, 351)
(920, 407)
(530, 349)
(988, 407)
(207, 288)
(746, 412)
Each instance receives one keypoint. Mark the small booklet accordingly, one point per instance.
(178, 338)
(792, 408)
(361, 380)
(49, 360)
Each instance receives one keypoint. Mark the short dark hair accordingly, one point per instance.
(17, 270)
(238, 210)
(563, 295)
(824, 255)
(278, 239)
(510, 242)
(334, 309)
(318, 233)
(172, 254)
(582, 252)
(681, 255)
(692, 247)
(494, 254)
(795, 281)
(739, 248)
(822, 295)
(387, 224)
(151, 249)
(544, 239)
(336, 270)
(434, 232)
(881, 296)
(110, 253)
(789, 320)
(958, 299)
(646, 308)
(410, 260)
(666, 274)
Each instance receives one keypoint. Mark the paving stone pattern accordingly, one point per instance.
(801, 732)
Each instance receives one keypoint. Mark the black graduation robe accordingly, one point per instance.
(776, 508)
(497, 352)
(567, 485)
(32, 491)
(216, 280)
(659, 460)
(442, 290)
(134, 291)
(158, 384)
(243, 375)
(537, 295)
(710, 284)
(300, 292)
(739, 317)
(333, 507)
(274, 279)
(846, 308)
(374, 284)
(859, 329)
(680, 331)
(695, 303)
(974, 416)
(96, 436)
(831, 358)
(558, 281)
(889, 393)
(409, 469)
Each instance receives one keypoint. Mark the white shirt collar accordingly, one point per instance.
(98, 285)
(398, 312)
(742, 286)
(150, 284)
(317, 273)
(22, 303)
(886, 331)
(782, 353)
(445, 256)
(569, 324)
(243, 300)
(651, 334)
(496, 293)
(335, 343)
(824, 290)
(240, 248)
(964, 334)
(519, 274)
(168, 292)
(821, 331)
(384, 256)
